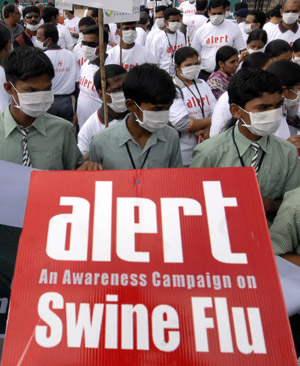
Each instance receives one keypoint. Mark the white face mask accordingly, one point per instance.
(129, 36)
(191, 1)
(34, 104)
(290, 18)
(160, 22)
(217, 19)
(173, 26)
(81, 37)
(153, 120)
(118, 104)
(247, 28)
(89, 53)
(292, 104)
(296, 60)
(190, 72)
(264, 123)
(250, 50)
(227, 14)
(33, 28)
(40, 45)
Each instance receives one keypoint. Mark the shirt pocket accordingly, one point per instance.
(47, 160)
(272, 185)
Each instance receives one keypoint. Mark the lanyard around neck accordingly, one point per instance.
(172, 52)
(131, 158)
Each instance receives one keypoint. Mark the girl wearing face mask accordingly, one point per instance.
(227, 61)
(256, 42)
(296, 52)
(279, 50)
(191, 111)
(288, 74)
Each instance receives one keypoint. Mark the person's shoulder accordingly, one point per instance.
(170, 132)
(54, 121)
(139, 48)
(215, 143)
(110, 131)
(282, 144)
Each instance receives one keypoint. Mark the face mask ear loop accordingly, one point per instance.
(137, 118)
(16, 104)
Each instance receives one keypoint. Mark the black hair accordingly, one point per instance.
(275, 12)
(226, 3)
(223, 54)
(258, 35)
(215, 4)
(296, 46)
(239, 6)
(86, 21)
(147, 83)
(125, 23)
(31, 9)
(248, 84)
(287, 72)
(110, 72)
(50, 5)
(160, 8)
(256, 60)
(9, 9)
(95, 13)
(183, 53)
(277, 47)
(71, 11)
(50, 31)
(48, 13)
(94, 29)
(201, 5)
(259, 17)
(37, 64)
(171, 11)
(5, 36)
(143, 18)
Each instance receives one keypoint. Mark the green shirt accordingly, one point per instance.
(51, 143)
(285, 231)
(279, 171)
(108, 147)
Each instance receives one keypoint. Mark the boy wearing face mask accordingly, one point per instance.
(142, 139)
(159, 25)
(115, 75)
(32, 21)
(255, 98)
(132, 53)
(165, 44)
(214, 34)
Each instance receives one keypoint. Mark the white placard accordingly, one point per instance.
(59, 4)
(117, 5)
(120, 17)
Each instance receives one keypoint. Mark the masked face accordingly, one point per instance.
(217, 19)
(117, 104)
(42, 45)
(129, 36)
(173, 26)
(160, 22)
(153, 120)
(290, 18)
(190, 72)
(89, 50)
(296, 60)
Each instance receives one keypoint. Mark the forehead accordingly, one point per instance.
(91, 37)
(250, 18)
(174, 18)
(32, 13)
(265, 99)
(159, 14)
(40, 32)
(41, 81)
(291, 5)
(218, 9)
(116, 81)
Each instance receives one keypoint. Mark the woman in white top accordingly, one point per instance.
(191, 111)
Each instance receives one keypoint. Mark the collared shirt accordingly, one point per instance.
(285, 231)
(15, 32)
(51, 143)
(279, 171)
(280, 32)
(108, 147)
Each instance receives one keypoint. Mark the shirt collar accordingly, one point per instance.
(243, 143)
(181, 84)
(125, 135)
(10, 124)
(283, 29)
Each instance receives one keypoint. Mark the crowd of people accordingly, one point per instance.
(193, 86)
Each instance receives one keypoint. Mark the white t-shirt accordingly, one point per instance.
(77, 51)
(134, 56)
(91, 127)
(72, 25)
(113, 36)
(189, 106)
(188, 10)
(67, 71)
(279, 32)
(88, 100)
(209, 38)
(5, 98)
(221, 115)
(164, 46)
(196, 21)
(154, 31)
(65, 39)
(141, 36)
(268, 26)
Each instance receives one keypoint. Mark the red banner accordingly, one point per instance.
(146, 267)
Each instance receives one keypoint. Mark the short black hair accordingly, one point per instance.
(31, 9)
(215, 4)
(50, 5)
(86, 21)
(94, 29)
(143, 18)
(125, 23)
(5, 36)
(110, 72)
(248, 84)
(277, 47)
(171, 11)
(50, 31)
(275, 12)
(183, 53)
(147, 83)
(95, 13)
(223, 54)
(201, 5)
(257, 60)
(296, 46)
(48, 13)
(226, 3)
(8, 9)
(288, 72)
(37, 64)
(239, 6)
(259, 17)
(160, 8)
(258, 35)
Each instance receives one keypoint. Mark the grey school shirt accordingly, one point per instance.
(162, 149)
